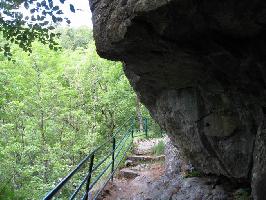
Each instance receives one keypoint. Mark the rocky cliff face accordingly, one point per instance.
(200, 68)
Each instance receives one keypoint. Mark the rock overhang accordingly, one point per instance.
(199, 67)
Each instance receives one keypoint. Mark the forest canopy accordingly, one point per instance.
(55, 107)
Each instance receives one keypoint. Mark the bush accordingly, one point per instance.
(7, 192)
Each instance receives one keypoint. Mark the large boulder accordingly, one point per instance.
(199, 67)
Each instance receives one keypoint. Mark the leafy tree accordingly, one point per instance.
(55, 107)
(24, 21)
(75, 38)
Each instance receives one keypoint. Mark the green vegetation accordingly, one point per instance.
(24, 21)
(158, 149)
(55, 107)
(242, 194)
(193, 173)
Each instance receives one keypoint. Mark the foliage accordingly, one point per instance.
(7, 192)
(74, 38)
(24, 21)
(55, 107)
(193, 173)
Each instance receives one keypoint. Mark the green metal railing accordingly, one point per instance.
(120, 146)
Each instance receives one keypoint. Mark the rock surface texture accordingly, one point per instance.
(200, 69)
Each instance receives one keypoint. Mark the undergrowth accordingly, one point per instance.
(158, 149)
(193, 173)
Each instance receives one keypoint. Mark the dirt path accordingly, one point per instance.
(147, 180)
(125, 187)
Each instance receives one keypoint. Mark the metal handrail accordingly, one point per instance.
(116, 149)
(121, 147)
(88, 174)
(67, 178)
(99, 191)
(117, 131)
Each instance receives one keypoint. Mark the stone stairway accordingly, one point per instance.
(140, 169)
(149, 177)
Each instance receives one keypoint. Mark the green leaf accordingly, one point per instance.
(26, 5)
(72, 8)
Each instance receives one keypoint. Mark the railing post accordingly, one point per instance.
(146, 127)
(132, 127)
(89, 178)
(113, 158)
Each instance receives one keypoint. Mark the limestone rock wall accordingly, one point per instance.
(200, 68)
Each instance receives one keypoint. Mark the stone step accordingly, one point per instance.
(128, 173)
(140, 158)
